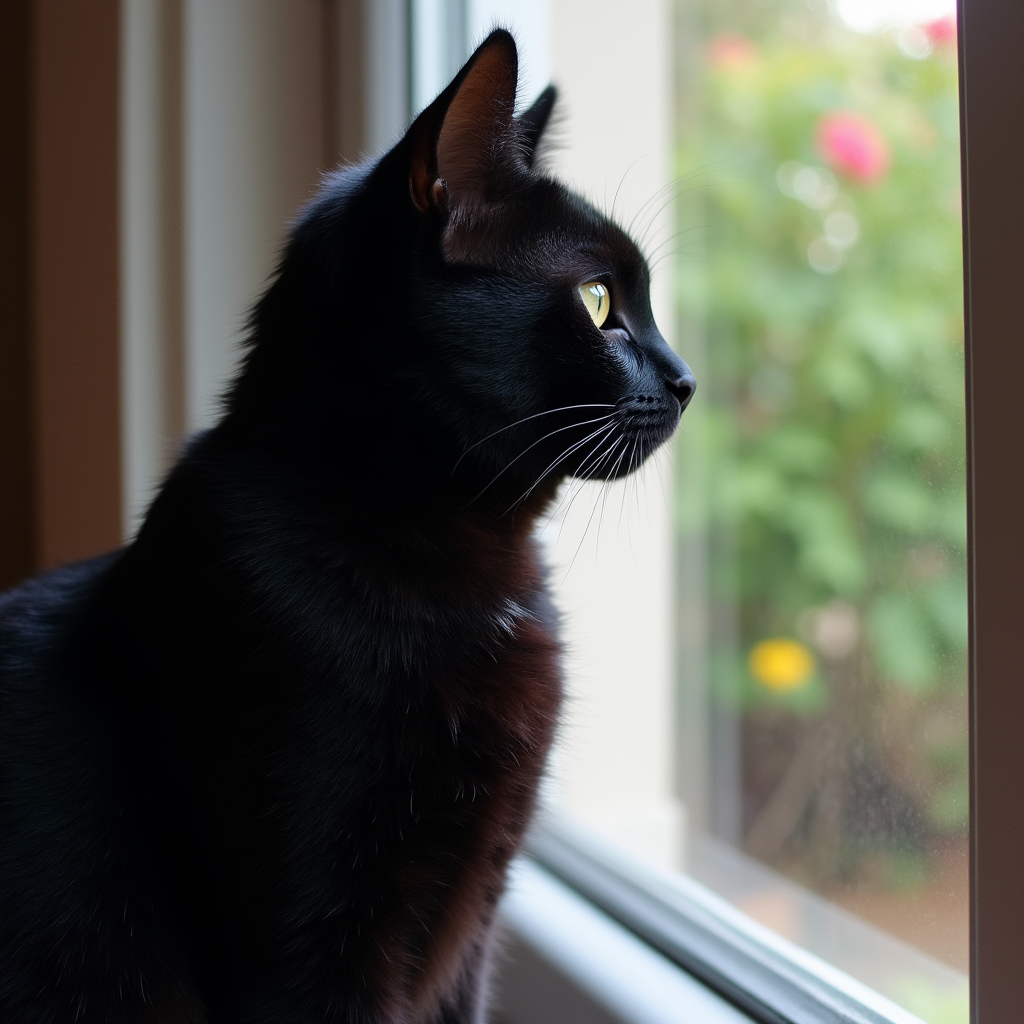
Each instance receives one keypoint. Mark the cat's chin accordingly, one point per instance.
(635, 457)
(626, 458)
(645, 426)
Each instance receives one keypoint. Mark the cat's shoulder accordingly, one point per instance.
(34, 615)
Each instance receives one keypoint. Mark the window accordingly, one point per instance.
(350, 91)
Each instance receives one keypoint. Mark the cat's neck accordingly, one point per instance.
(404, 489)
(374, 511)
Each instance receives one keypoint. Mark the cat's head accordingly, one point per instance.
(458, 317)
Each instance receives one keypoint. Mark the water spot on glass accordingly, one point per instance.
(824, 257)
(913, 42)
(841, 229)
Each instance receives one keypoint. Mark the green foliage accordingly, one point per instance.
(831, 396)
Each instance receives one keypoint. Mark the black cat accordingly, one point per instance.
(270, 761)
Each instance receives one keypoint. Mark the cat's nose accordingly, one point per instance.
(683, 387)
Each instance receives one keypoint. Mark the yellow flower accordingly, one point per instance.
(781, 664)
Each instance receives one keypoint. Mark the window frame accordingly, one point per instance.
(760, 974)
(992, 135)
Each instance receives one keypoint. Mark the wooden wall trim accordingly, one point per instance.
(75, 278)
(17, 511)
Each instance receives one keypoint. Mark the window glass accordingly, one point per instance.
(820, 490)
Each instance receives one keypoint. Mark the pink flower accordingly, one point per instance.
(731, 52)
(943, 31)
(852, 145)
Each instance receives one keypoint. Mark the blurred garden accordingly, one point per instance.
(820, 277)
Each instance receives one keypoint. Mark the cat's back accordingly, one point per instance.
(32, 613)
(37, 684)
(37, 623)
(57, 803)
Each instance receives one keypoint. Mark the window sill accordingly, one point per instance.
(620, 941)
(565, 960)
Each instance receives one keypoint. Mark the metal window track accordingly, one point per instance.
(771, 983)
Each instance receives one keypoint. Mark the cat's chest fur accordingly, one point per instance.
(463, 718)
(361, 718)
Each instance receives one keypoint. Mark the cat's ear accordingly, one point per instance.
(532, 122)
(461, 141)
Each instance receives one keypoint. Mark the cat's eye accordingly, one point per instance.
(598, 301)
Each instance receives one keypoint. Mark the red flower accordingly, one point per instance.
(731, 52)
(852, 145)
(943, 31)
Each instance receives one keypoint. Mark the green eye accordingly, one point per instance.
(598, 301)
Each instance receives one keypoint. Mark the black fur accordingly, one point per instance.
(270, 761)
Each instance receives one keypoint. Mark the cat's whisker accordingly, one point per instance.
(592, 471)
(579, 547)
(606, 431)
(661, 481)
(668, 252)
(656, 265)
(551, 433)
(586, 529)
(537, 481)
(605, 458)
(564, 455)
(589, 467)
(578, 483)
(564, 502)
(654, 253)
(626, 493)
(623, 440)
(526, 419)
(635, 480)
(671, 194)
(665, 189)
(606, 489)
(609, 453)
(622, 181)
(571, 494)
(677, 245)
(587, 477)
(618, 462)
(625, 489)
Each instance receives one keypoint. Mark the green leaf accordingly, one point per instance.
(947, 603)
(899, 501)
(949, 808)
(901, 642)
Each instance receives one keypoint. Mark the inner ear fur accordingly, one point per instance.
(463, 137)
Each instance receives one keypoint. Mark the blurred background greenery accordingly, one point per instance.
(821, 167)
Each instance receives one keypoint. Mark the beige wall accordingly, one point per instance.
(232, 111)
(615, 761)
(253, 151)
(224, 138)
